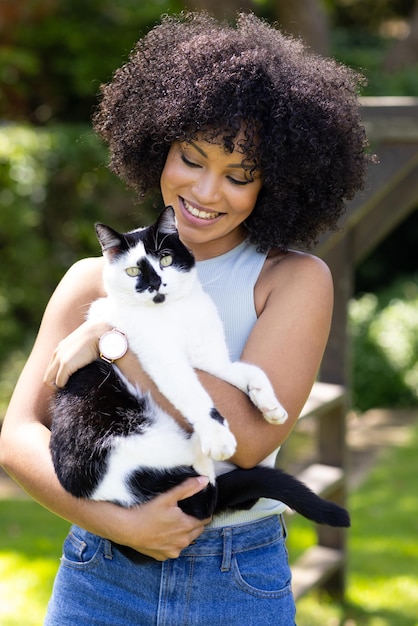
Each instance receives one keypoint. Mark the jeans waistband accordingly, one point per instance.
(225, 540)
(240, 537)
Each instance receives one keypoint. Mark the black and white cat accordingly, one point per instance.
(110, 441)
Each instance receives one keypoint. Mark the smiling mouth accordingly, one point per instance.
(203, 215)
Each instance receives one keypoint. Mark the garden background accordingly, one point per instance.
(54, 185)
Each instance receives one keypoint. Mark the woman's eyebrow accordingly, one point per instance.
(199, 149)
(242, 166)
(231, 165)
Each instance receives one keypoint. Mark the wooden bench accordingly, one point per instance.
(323, 565)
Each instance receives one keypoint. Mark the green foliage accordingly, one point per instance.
(31, 540)
(10, 367)
(367, 14)
(53, 61)
(365, 52)
(54, 185)
(55, 56)
(384, 331)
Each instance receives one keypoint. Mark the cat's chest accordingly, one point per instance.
(184, 323)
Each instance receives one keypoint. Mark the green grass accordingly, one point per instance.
(383, 549)
(383, 553)
(30, 547)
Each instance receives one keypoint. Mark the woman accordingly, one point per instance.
(256, 144)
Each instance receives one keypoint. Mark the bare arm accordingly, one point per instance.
(295, 299)
(158, 528)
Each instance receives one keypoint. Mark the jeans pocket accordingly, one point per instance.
(81, 549)
(263, 572)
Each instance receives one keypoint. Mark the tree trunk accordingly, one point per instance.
(306, 19)
(405, 51)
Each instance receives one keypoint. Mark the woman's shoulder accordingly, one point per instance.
(82, 283)
(88, 271)
(290, 272)
(87, 266)
(295, 264)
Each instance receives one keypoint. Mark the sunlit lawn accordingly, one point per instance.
(30, 547)
(383, 548)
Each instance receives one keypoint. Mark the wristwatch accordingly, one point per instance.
(112, 345)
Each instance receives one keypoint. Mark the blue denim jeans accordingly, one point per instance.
(236, 575)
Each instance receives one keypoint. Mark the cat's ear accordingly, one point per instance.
(110, 240)
(166, 222)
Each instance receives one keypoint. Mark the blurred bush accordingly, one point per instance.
(384, 332)
(366, 51)
(54, 184)
(55, 54)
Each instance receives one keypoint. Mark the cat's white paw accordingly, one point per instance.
(217, 441)
(202, 463)
(278, 415)
(268, 404)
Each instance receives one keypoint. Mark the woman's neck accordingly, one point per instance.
(205, 250)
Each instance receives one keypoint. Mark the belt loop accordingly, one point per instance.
(283, 525)
(108, 553)
(227, 551)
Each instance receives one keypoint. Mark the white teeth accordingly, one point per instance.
(197, 213)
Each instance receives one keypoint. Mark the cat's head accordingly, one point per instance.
(147, 265)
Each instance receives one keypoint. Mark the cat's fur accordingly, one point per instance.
(109, 441)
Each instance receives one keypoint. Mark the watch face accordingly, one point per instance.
(113, 345)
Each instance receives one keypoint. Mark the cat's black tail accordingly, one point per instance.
(241, 488)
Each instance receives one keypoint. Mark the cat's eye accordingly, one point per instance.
(133, 271)
(166, 260)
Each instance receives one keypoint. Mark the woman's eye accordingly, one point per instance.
(133, 271)
(235, 181)
(166, 260)
(188, 163)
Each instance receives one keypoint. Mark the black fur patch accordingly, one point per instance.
(88, 414)
(215, 415)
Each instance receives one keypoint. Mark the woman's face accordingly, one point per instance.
(212, 192)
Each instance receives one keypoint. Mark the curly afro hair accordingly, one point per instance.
(191, 75)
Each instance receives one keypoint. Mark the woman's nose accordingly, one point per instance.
(206, 188)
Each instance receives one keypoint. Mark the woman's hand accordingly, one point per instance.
(159, 528)
(78, 349)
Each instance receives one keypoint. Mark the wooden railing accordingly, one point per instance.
(390, 196)
(326, 477)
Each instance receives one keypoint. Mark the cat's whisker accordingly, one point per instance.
(105, 379)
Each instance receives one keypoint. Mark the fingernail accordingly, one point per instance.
(203, 480)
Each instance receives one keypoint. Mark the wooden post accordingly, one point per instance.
(332, 427)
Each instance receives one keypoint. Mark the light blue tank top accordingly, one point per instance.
(230, 280)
